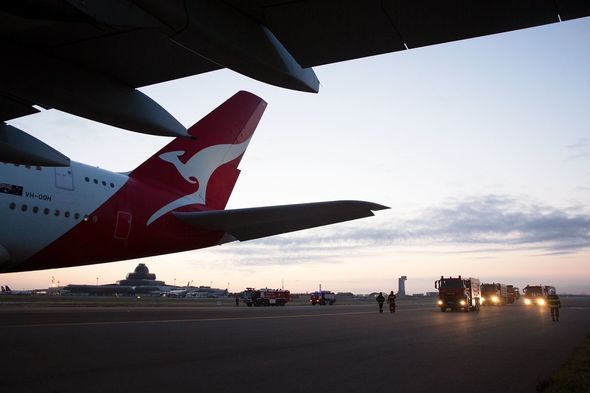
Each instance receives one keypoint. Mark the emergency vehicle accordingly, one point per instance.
(513, 293)
(265, 297)
(458, 293)
(494, 294)
(322, 298)
(536, 294)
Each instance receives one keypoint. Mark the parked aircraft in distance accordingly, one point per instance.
(178, 292)
(5, 290)
(78, 215)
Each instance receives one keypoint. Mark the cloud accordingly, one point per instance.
(578, 149)
(492, 223)
(503, 220)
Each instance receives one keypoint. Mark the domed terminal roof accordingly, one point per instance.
(142, 269)
(141, 273)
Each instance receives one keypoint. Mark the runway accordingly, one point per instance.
(285, 349)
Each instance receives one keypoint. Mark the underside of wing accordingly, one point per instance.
(258, 222)
(328, 31)
(88, 57)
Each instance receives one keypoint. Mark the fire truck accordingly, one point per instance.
(265, 297)
(536, 294)
(494, 294)
(458, 293)
(513, 293)
(322, 298)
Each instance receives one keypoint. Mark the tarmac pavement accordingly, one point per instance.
(337, 348)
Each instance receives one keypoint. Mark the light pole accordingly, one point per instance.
(96, 281)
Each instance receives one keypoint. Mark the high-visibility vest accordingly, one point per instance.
(553, 301)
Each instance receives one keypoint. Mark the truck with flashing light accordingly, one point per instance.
(458, 293)
(494, 294)
(513, 293)
(322, 298)
(265, 297)
(536, 294)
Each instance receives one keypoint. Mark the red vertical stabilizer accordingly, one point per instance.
(204, 170)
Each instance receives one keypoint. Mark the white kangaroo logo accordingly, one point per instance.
(198, 169)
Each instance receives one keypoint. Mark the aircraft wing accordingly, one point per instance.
(257, 222)
(88, 57)
(328, 31)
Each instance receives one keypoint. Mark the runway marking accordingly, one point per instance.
(103, 323)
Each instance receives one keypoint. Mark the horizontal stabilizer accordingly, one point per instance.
(257, 222)
(18, 147)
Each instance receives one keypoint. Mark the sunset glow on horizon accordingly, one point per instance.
(480, 147)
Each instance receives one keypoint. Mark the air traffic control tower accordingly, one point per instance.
(402, 286)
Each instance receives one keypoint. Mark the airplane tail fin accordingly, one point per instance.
(203, 170)
(7, 289)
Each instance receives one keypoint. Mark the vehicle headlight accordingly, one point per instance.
(541, 302)
(440, 302)
(495, 299)
(527, 301)
(483, 299)
(462, 302)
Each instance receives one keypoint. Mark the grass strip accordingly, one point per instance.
(573, 376)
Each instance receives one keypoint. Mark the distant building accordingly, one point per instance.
(344, 295)
(402, 286)
(206, 291)
(140, 277)
(140, 281)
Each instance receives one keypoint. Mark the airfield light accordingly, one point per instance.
(440, 302)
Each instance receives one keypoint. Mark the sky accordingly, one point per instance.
(480, 147)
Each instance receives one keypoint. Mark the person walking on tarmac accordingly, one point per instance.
(554, 305)
(237, 300)
(380, 299)
(391, 300)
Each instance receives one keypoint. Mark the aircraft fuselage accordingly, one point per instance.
(57, 217)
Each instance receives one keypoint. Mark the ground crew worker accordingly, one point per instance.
(391, 300)
(554, 305)
(237, 301)
(380, 299)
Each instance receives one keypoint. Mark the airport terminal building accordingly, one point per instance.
(140, 281)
